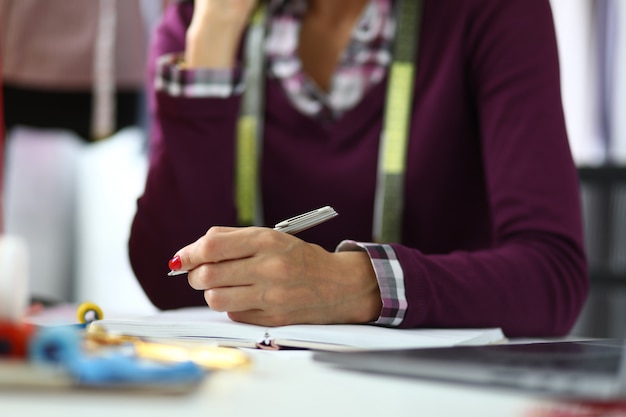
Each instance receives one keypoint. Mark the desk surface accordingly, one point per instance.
(284, 383)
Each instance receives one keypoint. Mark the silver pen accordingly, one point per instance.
(294, 225)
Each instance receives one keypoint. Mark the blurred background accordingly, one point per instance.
(75, 158)
(73, 81)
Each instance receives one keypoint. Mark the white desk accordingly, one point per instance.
(284, 383)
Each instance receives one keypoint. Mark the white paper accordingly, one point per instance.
(201, 322)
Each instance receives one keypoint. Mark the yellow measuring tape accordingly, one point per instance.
(250, 125)
(389, 200)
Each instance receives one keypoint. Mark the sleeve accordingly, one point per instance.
(533, 280)
(390, 277)
(190, 176)
(174, 79)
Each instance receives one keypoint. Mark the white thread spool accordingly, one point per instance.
(13, 278)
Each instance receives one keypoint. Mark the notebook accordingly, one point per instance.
(593, 369)
(204, 324)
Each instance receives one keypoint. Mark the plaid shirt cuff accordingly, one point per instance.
(390, 279)
(174, 79)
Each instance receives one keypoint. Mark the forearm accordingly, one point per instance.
(188, 189)
(189, 184)
(215, 32)
(533, 285)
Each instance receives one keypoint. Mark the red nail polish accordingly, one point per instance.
(175, 263)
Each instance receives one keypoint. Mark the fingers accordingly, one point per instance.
(247, 305)
(285, 282)
(261, 318)
(211, 247)
(226, 244)
(221, 274)
(232, 299)
(204, 250)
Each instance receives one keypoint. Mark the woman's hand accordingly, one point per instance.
(215, 32)
(262, 276)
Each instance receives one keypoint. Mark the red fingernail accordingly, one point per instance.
(175, 263)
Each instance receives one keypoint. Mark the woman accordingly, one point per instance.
(490, 218)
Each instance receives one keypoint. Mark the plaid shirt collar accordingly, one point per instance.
(363, 64)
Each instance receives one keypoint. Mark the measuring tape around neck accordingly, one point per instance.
(250, 126)
(389, 200)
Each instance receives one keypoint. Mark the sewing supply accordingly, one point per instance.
(54, 345)
(61, 348)
(14, 339)
(67, 356)
(13, 278)
(88, 312)
(208, 357)
(294, 225)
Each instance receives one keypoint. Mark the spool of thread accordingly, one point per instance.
(14, 278)
(88, 312)
(58, 344)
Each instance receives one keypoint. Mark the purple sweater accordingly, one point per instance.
(492, 230)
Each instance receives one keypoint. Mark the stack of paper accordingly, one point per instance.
(201, 323)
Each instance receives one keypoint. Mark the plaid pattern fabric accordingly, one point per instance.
(390, 279)
(173, 78)
(362, 65)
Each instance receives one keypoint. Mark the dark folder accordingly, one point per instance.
(593, 369)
